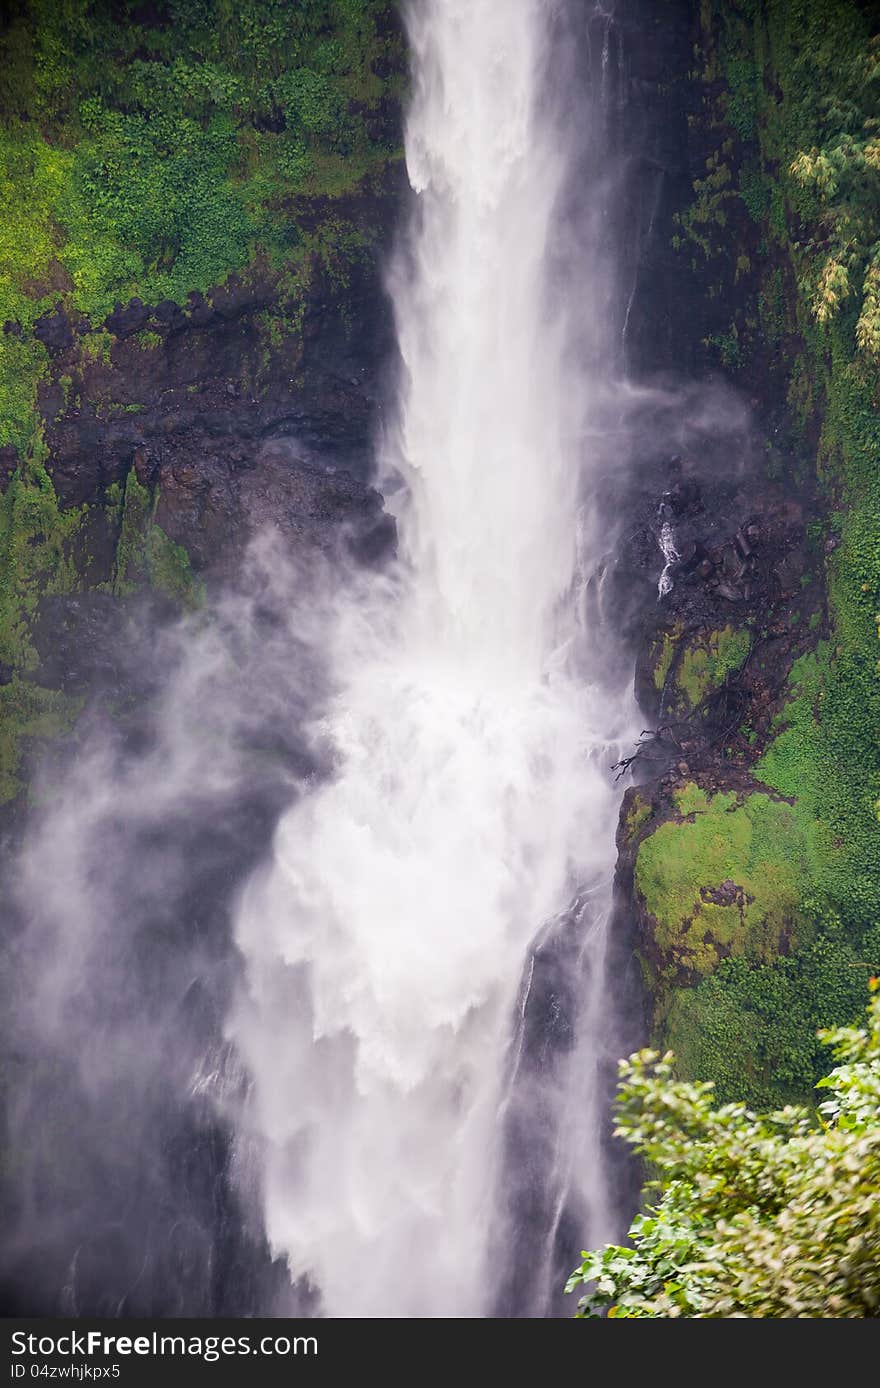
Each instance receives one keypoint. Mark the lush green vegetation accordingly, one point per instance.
(685, 672)
(638, 814)
(707, 663)
(803, 98)
(35, 556)
(663, 655)
(153, 156)
(773, 1215)
(782, 235)
(723, 877)
(751, 1025)
(152, 151)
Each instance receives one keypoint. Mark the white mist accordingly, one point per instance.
(385, 942)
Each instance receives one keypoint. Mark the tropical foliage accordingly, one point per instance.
(758, 1215)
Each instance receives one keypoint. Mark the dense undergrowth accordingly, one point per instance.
(782, 235)
(151, 150)
(765, 1216)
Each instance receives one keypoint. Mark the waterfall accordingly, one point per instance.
(468, 724)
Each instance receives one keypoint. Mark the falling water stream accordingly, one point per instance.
(309, 992)
(385, 942)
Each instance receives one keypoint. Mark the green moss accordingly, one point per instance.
(169, 570)
(707, 662)
(22, 366)
(821, 755)
(638, 813)
(663, 654)
(148, 341)
(154, 154)
(145, 556)
(690, 799)
(751, 1027)
(727, 879)
(31, 176)
(28, 712)
(782, 81)
(35, 557)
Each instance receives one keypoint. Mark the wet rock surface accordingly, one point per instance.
(227, 429)
(713, 654)
(713, 658)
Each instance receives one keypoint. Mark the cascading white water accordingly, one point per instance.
(385, 941)
(671, 556)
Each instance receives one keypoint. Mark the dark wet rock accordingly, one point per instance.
(713, 659)
(199, 312)
(189, 414)
(234, 426)
(727, 894)
(169, 316)
(234, 299)
(54, 330)
(691, 556)
(745, 542)
(8, 463)
(372, 544)
(709, 656)
(88, 643)
(790, 570)
(683, 498)
(128, 320)
(732, 565)
(12, 328)
(728, 592)
(542, 1221)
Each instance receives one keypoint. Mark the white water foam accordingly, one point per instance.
(666, 541)
(385, 940)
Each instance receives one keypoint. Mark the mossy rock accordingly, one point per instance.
(36, 540)
(685, 668)
(706, 661)
(751, 1026)
(146, 556)
(636, 812)
(725, 876)
(663, 654)
(29, 712)
(45, 552)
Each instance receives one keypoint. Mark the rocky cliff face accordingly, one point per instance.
(145, 436)
(228, 414)
(749, 860)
